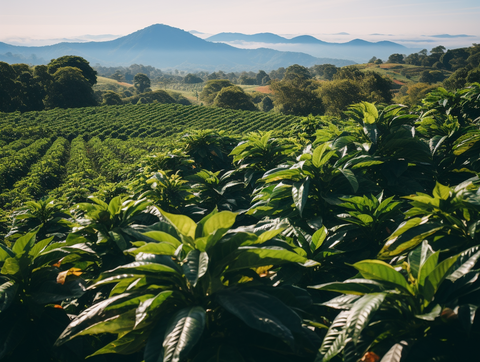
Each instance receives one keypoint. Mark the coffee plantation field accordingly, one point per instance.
(180, 233)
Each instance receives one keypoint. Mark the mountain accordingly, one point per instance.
(358, 50)
(163, 47)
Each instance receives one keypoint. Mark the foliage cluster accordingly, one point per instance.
(345, 239)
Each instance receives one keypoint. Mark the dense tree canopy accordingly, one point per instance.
(70, 89)
(212, 87)
(141, 82)
(234, 98)
(74, 61)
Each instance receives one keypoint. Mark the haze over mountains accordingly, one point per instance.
(357, 50)
(164, 47)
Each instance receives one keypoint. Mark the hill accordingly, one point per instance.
(163, 47)
(358, 50)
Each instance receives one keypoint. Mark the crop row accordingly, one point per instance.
(144, 121)
(17, 164)
(48, 172)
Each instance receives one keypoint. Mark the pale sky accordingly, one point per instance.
(407, 19)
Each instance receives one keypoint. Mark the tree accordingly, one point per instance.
(8, 88)
(396, 58)
(337, 95)
(296, 71)
(438, 50)
(376, 88)
(212, 87)
(266, 104)
(111, 98)
(234, 98)
(74, 61)
(325, 71)
(351, 72)
(141, 82)
(372, 60)
(262, 77)
(70, 89)
(192, 79)
(297, 96)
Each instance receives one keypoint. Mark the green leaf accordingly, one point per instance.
(342, 301)
(196, 266)
(437, 276)
(407, 236)
(418, 257)
(350, 176)
(119, 240)
(398, 352)
(351, 286)
(117, 324)
(253, 257)
(223, 220)
(126, 344)
(89, 316)
(115, 205)
(379, 270)
(8, 291)
(38, 247)
(184, 331)
(300, 194)
(24, 244)
(318, 238)
(441, 192)
(467, 265)
(163, 237)
(267, 235)
(427, 267)
(154, 248)
(141, 268)
(318, 154)
(262, 312)
(361, 313)
(10, 267)
(334, 340)
(182, 223)
(431, 315)
(5, 253)
(146, 308)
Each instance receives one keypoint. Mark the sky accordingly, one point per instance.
(411, 22)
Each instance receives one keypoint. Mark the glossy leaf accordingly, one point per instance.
(223, 220)
(262, 312)
(437, 276)
(8, 291)
(352, 286)
(427, 267)
(147, 307)
(418, 257)
(361, 314)
(300, 194)
(252, 257)
(182, 223)
(163, 237)
(24, 244)
(184, 331)
(398, 352)
(379, 270)
(195, 266)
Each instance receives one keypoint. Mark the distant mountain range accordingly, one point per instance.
(164, 47)
(358, 50)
